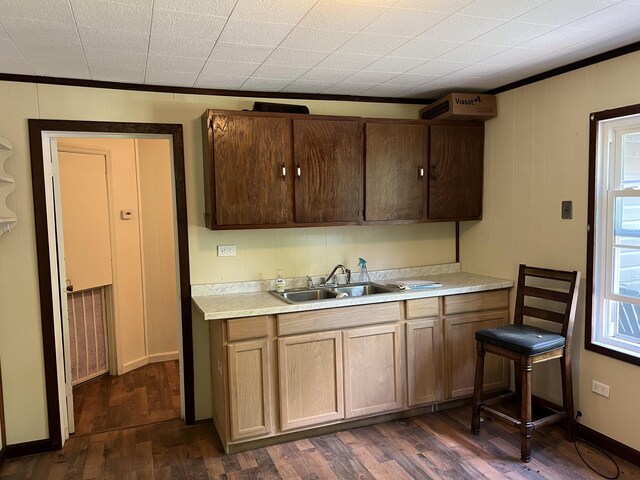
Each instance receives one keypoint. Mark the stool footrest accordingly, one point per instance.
(556, 417)
(501, 416)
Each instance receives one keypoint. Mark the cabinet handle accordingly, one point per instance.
(284, 171)
(420, 172)
(298, 172)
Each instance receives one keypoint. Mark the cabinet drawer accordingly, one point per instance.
(247, 328)
(338, 318)
(476, 302)
(423, 307)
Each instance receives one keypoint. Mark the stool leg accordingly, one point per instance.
(567, 397)
(526, 427)
(477, 389)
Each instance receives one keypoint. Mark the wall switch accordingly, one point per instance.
(600, 388)
(226, 250)
(567, 209)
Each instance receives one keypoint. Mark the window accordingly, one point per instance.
(613, 273)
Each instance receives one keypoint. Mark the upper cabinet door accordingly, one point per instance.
(328, 170)
(251, 166)
(396, 163)
(456, 168)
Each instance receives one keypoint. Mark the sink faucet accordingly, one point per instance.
(344, 269)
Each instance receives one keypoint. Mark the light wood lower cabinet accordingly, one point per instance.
(372, 371)
(460, 354)
(423, 362)
(310, 379)
(249, 405)
(273, 375)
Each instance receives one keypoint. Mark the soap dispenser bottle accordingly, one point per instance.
(280, 283)
(363, 277)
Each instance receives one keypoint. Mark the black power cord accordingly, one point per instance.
(575, 444)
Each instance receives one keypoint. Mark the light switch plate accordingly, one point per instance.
(567, 209)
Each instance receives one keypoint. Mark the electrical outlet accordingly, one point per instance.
(600, 388)
(226, 250)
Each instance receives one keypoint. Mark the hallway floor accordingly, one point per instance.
(143, 396)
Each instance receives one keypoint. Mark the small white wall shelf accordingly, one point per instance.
(7, 187)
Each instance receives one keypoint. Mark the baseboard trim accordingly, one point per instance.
(163, 357)
(140, 362)
(609, 444)
(3, 454)
(26, 448)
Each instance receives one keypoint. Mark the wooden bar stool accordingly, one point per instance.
(555, 301)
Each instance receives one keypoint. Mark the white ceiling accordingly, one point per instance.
(381, 48)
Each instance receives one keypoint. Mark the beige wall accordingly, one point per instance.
(158, 248)
(536, 156)
(260, 253)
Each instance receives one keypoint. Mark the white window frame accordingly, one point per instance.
(608, 188)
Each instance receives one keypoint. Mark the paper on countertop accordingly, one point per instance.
(416, 284)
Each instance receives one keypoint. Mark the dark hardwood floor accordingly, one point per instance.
(146, 395)
(431, 446)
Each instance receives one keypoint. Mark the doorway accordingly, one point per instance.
(118, 276)
(42, 134)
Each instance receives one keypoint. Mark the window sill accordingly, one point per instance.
(611, 352)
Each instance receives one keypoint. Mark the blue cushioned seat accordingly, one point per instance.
(525, 339)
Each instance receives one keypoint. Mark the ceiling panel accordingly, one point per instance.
(175, 64)
(111, 15)
(187, 25)
(312, 39)
(114, 39)
(371, 44)
(404, 22)
(25, 31)
(117, 74)
(180, 47)
(220, 8)
(295, 58)
(288, 11)
(347, 61)
(341, 16)
(413, 48)
(460, 28)
(254, 33)
(279, 72)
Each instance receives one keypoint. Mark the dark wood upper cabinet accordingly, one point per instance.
(250, 164)
(265, 170)
(455, 171)
(328, 170)
(395, 170)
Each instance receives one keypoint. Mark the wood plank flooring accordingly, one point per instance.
(432, 446)
(146, 395)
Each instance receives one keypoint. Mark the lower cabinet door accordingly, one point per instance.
(310, 379)
(423, 362)
(460, 354)
(249, 405)
(372, 370)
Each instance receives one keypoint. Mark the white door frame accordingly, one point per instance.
(58, 288)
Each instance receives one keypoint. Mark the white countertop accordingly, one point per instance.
(233, 305)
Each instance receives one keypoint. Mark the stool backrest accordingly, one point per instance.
(564, 292)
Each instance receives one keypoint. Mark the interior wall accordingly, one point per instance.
(158, 248)
(311, 253)
(536, 156)
(126, 250)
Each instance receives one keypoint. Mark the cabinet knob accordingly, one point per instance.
(298, 172)
(284, 171)
(420, 172)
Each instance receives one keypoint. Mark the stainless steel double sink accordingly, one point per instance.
(299, 295)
